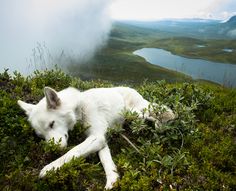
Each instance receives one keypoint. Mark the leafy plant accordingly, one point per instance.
(196, 151)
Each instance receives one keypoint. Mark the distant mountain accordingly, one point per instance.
(230, 27)
(232, 21)
(193, 28)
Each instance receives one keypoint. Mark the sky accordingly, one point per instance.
(44, 32)
(162, 9)
(37, 34)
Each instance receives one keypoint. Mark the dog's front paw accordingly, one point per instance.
(49, 167)
(111, 180)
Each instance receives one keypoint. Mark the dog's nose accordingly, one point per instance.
(63, 145)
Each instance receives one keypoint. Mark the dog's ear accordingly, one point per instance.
(53, 101)
(27, 107)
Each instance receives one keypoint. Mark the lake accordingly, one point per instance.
(222, 73)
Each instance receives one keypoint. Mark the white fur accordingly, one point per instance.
(99, 108)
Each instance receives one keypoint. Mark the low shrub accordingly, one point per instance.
(196, 151)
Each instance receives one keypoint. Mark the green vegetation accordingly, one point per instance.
(117, 63)
(188, 47)
(196, 151)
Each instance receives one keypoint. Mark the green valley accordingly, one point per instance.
(116, 61)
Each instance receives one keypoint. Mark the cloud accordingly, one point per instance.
(51, 31)
(232, 33)
(220, 9)
(159, 9)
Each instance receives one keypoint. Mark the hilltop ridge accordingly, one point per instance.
(232, 20)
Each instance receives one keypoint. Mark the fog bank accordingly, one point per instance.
(36, 34)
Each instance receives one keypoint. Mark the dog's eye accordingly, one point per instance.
(51, 124)
(38, 134)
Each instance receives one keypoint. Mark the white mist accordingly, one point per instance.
(37, 34)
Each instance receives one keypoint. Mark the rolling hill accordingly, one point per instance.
(195, 28)
(116, 61)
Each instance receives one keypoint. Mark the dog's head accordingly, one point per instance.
(50, 118)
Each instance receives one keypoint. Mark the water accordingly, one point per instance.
(200, 46)
(222, 73)
(228, 50)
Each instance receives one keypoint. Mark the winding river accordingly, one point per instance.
(222, 73)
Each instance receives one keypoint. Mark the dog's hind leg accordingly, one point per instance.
(145, 110)
(109, 167)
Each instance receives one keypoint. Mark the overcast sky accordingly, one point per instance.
(161, 9)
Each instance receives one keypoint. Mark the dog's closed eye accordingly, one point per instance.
(51, 124)
(39, 134)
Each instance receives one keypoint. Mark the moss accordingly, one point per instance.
(194, 152)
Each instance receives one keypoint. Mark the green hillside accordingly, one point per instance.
(117, 63)
(196, 151)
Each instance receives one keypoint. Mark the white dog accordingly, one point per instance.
(99, 108)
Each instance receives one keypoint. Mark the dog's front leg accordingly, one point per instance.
(92, 144)
(109, 166)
